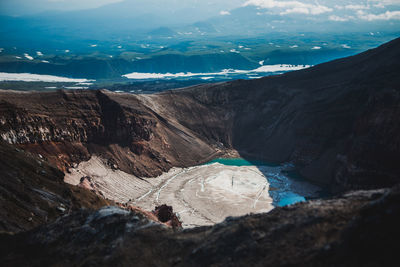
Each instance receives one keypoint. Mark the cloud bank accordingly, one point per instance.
(290, 7)
(388, 15)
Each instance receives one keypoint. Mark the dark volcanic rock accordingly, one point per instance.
(357, 229)
(165, 214)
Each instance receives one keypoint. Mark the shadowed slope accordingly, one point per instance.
(34, 193)
(338, 121)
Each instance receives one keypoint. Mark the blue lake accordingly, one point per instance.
(285, 186)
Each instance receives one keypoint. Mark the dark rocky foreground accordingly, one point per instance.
(337, 122)
(357, 229)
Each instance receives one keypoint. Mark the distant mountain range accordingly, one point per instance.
(190, 36)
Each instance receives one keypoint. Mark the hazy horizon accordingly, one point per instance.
(341, 10)
(111, 39)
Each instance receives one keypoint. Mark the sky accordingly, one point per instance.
(22, 7)
(338, 10)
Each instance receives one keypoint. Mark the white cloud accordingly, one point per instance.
(224, 13)
(379, 5)
(387, 2)
(298, 10)
(356, 7)
(290, 6)
(337, 18)
(388, 15)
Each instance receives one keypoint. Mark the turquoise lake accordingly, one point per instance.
(285, 186)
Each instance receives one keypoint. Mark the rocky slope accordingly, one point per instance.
(338, 122)
(68, 126)
(33, 192)
(357, 229)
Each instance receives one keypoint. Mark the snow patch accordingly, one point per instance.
(224, 13)
(225, 72)
(28, 56)
(28, 77)
(76, 87)
(84, 83)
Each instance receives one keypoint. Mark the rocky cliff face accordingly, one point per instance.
(357, 229)
(338, 122)
(67, 127)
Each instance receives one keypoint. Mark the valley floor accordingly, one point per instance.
(201, 195)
